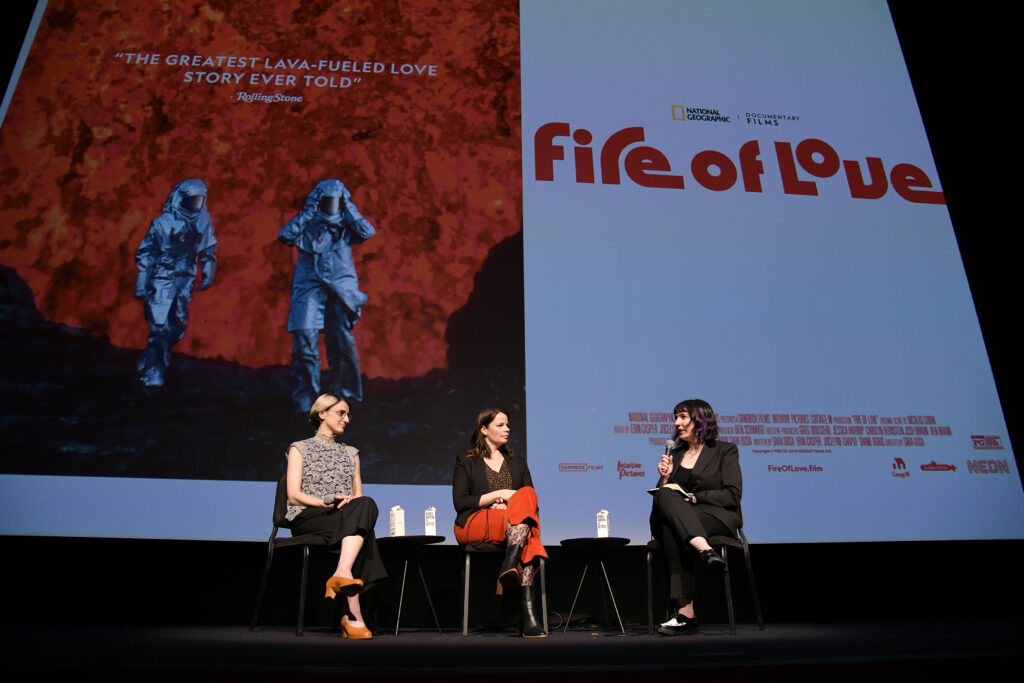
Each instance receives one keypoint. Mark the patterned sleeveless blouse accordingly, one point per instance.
(327, 468)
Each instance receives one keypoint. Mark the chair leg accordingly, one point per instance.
(753, 584)
(465, 596)
(650, 596)
(430, 602)
(728, 591)
(263, 587)
(302, 590)
(544, 592)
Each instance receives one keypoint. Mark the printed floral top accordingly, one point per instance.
(327, 469)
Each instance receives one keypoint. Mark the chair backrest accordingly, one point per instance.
(281, 503)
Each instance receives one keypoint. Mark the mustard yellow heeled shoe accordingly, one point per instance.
(354, 632)
(339, 584)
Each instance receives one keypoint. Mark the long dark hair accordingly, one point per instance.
(478, 442)
(706, 424)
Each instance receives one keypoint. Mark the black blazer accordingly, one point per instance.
(719, 483)
(470, 482)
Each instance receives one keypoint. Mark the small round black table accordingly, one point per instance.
(594, 550)
(410, 547)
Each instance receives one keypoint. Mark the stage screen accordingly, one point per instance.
(583, 212)
(119, 110)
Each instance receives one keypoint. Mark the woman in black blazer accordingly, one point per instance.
(708, 472)
(495, 501)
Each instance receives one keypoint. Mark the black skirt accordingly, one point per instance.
(357, 518)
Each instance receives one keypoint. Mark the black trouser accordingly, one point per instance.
(357, 518)
(673, 523)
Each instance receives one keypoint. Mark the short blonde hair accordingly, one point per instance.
(322, 403)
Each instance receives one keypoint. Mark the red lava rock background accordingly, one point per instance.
(92, 145)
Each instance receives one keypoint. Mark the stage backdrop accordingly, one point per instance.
(725, 201)
(736, 201)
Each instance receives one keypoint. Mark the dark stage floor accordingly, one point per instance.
(909, 649)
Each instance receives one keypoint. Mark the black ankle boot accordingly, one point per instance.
(508, 575)
(532, 623)
(712, 560)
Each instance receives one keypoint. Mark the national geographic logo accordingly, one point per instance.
(683, 113)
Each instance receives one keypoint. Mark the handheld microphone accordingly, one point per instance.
(332, 499)
(668, 450)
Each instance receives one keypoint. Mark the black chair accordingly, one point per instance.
(472, 549)
(306, 542)
(722, 545)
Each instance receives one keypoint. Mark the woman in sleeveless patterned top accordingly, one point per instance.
(325, 498)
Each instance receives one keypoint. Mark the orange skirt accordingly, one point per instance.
(488, 525)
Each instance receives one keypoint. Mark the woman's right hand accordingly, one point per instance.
(665, 465)
(494, 498)
(505, 494)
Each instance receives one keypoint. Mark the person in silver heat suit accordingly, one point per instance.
(325, 293)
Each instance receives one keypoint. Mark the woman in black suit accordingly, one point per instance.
(708, 472)
(495, 501)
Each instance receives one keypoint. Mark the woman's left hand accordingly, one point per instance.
(342, 502)
(499, 506)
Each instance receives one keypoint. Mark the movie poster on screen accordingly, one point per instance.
(414, 107)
